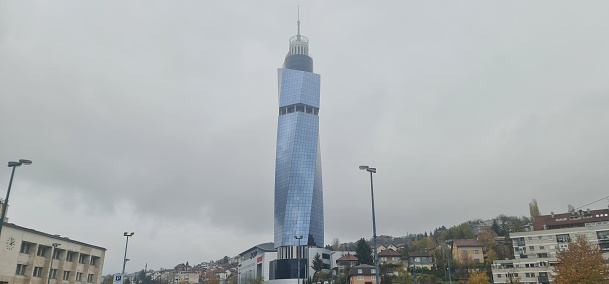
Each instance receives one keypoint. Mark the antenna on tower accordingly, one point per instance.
(298, 23)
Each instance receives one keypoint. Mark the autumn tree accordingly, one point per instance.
(478, 277)
(336, 244)
(363, 252)
(581, 263)
(534, 210)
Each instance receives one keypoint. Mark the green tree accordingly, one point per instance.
(363, 252)
(582, 263)
(318, 264)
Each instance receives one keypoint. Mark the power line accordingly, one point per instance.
(591, 203)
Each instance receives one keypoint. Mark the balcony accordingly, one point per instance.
(543, 280)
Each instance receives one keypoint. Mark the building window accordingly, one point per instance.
(475, 251)
(531, 248)
(359, 271)
(20, 269)
(41, 251)
(82, 258)
(540, 237)
(66, 275)
(542, 247)
(37, 272)
(69, 256)
(25, 248)
(56, 254)
(360, 277)
(78, 276)
(372, 270)
(94, 260)
(373, 277)
(530, 238)
(476, 261)
(498, 275)
(53, 273)
(90, 278)
(530, 274)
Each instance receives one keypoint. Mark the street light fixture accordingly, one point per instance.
(126, 244)
(298, 255)
(376, 255)
(13, 165)
(55, 245)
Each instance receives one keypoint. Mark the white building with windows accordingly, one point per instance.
(26, 256)
(535, 252)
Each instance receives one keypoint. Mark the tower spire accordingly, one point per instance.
(298, 23)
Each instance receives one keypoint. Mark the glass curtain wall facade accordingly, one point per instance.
(298, 177)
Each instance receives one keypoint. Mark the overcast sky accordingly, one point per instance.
(160, 117)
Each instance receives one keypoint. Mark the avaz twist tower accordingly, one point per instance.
(298, 182)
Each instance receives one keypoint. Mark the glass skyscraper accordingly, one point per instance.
(298, 184)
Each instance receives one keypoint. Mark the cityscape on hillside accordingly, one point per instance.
(160, 151)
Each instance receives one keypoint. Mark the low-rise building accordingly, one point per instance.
(362, 274)
(420, 260)
(467, 250)
(27, 255)
(389, 256)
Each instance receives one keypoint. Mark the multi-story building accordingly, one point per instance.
(468, 250)
(345, 262)
(299, 216)
(535, 252)
(27, 255)
(389, 256)
(421, 260)
(362, 274)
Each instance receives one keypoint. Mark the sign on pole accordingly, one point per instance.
(118, 279)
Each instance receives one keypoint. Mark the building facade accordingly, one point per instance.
(298, 216)
(535, 252)
(362, 274)
(27, 255)
(468, 252)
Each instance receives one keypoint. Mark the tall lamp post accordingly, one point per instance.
(13, 165)
(55, 245)
(126, 244)
(298, 255)
(376, 255)
(450, 255)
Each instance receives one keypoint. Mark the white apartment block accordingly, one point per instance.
(26, 256)
(535, 252)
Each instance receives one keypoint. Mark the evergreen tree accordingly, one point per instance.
(318, 264)
(363, 252)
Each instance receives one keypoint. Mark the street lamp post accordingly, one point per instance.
(450, 255)
(376, 256)
(13, 165)
(298, 255)
(126, 244)
(55, 245)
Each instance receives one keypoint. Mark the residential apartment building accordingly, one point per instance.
(27, 255)
(535, 252)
